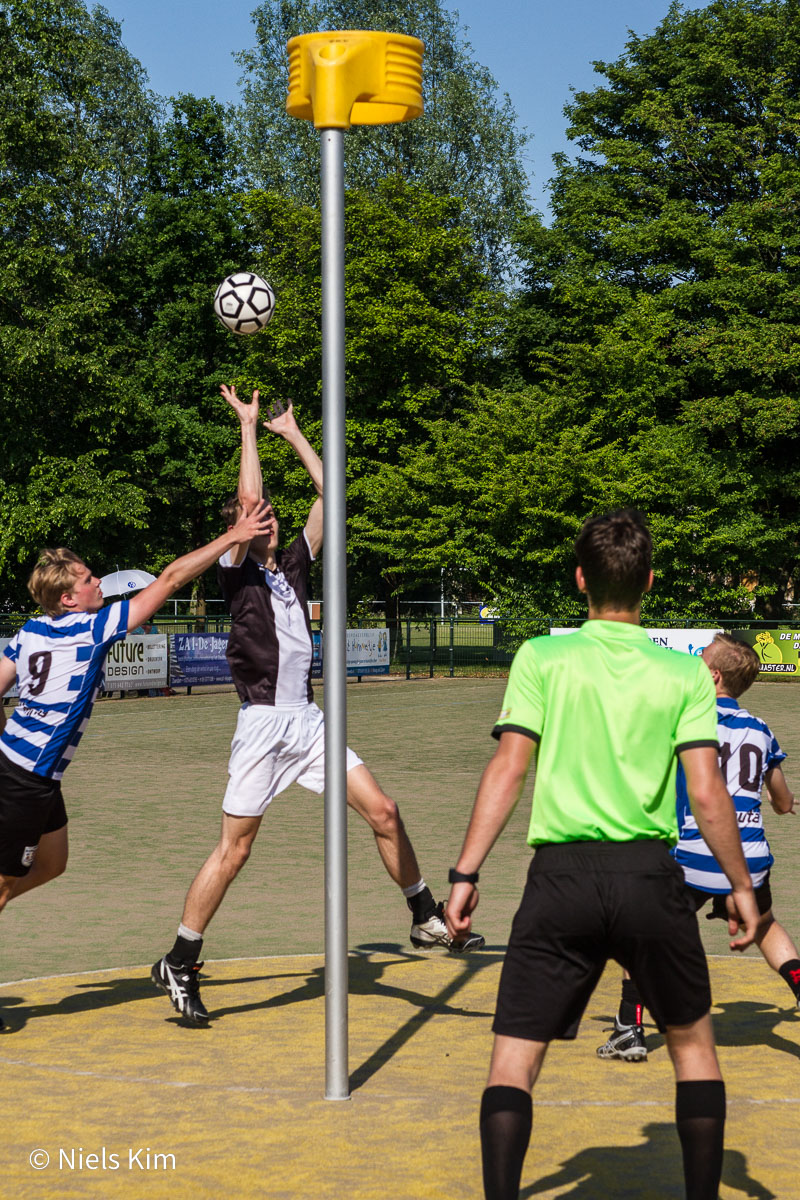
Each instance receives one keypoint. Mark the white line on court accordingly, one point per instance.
(265, 958)
(146, 968)
(150, 1081)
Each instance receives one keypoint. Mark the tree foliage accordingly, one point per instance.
(467, 144)
(651, 356)
(662, 305)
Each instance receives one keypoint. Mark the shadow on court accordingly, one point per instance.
(628, 1173)
(103, 1061)
(750, 1023)
(367, 977)
(736, 1023)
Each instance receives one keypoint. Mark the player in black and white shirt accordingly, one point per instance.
(279, 737)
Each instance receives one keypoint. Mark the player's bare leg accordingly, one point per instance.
(50, 862)
(219, 870)
(699, 1106)
(428, 929)
(177, 972)
(383, 817)
(780, 952)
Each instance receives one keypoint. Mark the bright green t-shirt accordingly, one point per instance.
(610, 711)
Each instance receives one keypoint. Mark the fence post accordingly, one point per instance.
(432, 640)
(452, 647)
(408, 648)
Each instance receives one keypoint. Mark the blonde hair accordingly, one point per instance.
(53, 575)
(737, 663)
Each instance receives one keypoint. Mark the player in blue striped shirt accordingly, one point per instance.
(750, 759)
(58, 661)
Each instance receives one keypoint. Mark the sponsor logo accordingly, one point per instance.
(28, 855)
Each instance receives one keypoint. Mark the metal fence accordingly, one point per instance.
(430, 646)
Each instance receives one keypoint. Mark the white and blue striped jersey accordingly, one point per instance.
(748, 749)
(60, 663)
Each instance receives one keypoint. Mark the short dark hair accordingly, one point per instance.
(232, 509)
(615, 552)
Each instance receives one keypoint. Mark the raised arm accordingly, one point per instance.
(282, 422)
(498, 793)
(716, 819)
(251, 483)
(182, 570)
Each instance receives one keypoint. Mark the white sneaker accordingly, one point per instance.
(433, 932)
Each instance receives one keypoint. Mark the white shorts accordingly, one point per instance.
(271, 748)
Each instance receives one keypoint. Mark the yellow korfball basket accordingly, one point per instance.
(354, 77)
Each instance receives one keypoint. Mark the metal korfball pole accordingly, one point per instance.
(334, 599)
(337, 80)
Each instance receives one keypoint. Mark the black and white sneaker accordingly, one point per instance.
(626, 1042)
(425, 935)
(182, 985)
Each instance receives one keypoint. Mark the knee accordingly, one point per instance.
(234, 855)
(765, 923)
(384, 817)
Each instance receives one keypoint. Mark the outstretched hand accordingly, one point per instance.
(281, 419)
(253, 524)
(247, 413)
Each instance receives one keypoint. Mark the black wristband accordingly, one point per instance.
(462, 876)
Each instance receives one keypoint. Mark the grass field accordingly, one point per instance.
(95, 1060)
(144, 797)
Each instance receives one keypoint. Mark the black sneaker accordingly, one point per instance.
(182, 985)
(433, 932)
(626, 1042)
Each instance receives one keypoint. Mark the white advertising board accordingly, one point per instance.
(367, 651)
(689, 641)
(137, 662)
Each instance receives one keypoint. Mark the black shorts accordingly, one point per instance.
(585, 903)
(719, 912)
(30, 806)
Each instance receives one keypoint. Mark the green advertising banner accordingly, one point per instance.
(778, 649)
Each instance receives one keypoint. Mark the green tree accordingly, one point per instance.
(468, 143)
(74, 113)
(422, 326)
(662, 307)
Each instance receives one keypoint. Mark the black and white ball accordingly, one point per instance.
(244, 302)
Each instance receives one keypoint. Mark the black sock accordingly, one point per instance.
(630, 1006)
(700, 1117)
(422, 906)
(185, 951)
(506, 1119)
(790, 971)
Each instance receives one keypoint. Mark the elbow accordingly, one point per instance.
(171, 577)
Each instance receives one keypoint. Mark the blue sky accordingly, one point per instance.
(536, 51)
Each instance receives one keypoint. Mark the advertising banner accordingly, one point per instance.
(316, 661)
(690, 641)
(199, 658)
(778, 649)
(367, 651)
(137, 663)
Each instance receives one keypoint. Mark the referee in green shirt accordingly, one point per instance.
(607, 714)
